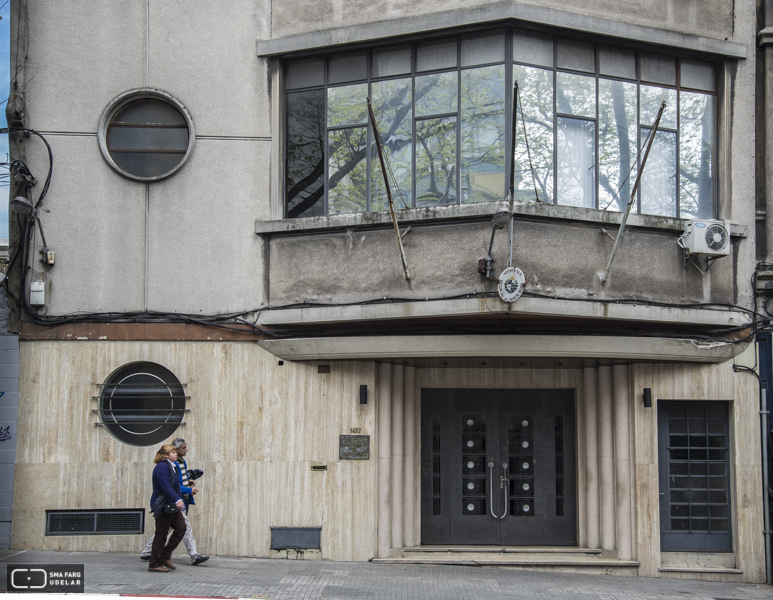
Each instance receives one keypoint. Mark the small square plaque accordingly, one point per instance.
(354, 447)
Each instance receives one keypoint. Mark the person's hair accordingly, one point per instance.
(178, 442)
(163, 452)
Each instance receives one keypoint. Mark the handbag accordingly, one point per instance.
(170, 509)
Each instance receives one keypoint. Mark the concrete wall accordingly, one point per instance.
(558, 258)
(125, 246)
(713, 19)
(110, 234)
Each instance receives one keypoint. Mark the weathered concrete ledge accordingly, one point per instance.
(622, 348)
(480, 210)
(499, 12)
(535, 307)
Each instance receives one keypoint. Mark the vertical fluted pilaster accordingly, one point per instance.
(622, 462)
(409, 455)
(606, 461)
(397, 456)
(590, 401)
(384, 537)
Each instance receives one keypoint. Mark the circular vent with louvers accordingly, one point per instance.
(716, 237)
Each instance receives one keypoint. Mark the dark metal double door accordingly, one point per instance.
(498, 467)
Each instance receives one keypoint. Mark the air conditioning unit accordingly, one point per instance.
(706, 236)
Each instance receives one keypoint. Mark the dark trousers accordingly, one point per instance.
(162, 550)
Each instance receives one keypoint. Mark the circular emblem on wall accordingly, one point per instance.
(511, 283)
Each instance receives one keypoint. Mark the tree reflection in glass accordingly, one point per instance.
(576, 162)
(347, 161)
(347, 170)
(483, 134)
(436, 94)
(305, 158)
(576, 169)
(617, 142)
(436, 161)
(658, 179)
(392, 109)
(696, 140)
(536, 109)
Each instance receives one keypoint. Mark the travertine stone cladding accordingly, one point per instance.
(255, 427)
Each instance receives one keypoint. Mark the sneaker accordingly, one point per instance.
(199, 559)
(144, 557)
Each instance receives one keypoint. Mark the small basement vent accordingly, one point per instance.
(95, 522)
(295, 538)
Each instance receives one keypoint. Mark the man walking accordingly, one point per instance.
(188, 489)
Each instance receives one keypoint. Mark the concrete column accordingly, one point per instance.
(397, 456)
(590, 400)
(606, 461)
(622, 462)
(409, 453)
(384, 459)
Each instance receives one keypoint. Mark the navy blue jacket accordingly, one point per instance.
(165, 482)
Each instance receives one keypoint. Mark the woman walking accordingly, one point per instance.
(166, 482)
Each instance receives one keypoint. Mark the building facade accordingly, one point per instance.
(220, 263)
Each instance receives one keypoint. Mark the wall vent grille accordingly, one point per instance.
(124, 521)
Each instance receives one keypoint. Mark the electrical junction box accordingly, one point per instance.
(706, 236)
(37, 293)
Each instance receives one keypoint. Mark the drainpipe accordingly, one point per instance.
(765, 40)
(765, 501)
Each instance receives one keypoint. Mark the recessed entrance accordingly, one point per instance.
(498, 467)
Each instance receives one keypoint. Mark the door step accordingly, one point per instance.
(583, 560)
(504, 549)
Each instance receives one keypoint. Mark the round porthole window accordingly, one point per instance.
(142, 404)
(146, 134)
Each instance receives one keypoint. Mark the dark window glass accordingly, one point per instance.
(307, 72)
(305, 166)
(147, 138)
(352, 66)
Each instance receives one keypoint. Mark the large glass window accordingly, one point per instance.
(444, 109)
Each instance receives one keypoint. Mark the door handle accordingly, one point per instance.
(504, 482)
(491, 488)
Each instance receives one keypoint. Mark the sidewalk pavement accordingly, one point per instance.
(275, 579)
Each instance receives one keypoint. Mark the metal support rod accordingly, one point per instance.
(620, 231)
(765, 483)
(512, 171)
(377, 137)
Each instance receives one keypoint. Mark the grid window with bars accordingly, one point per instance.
(436, 457)
(521, 467)
(559, 439)
(444, 108)
(474, 443)
(698, 483)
